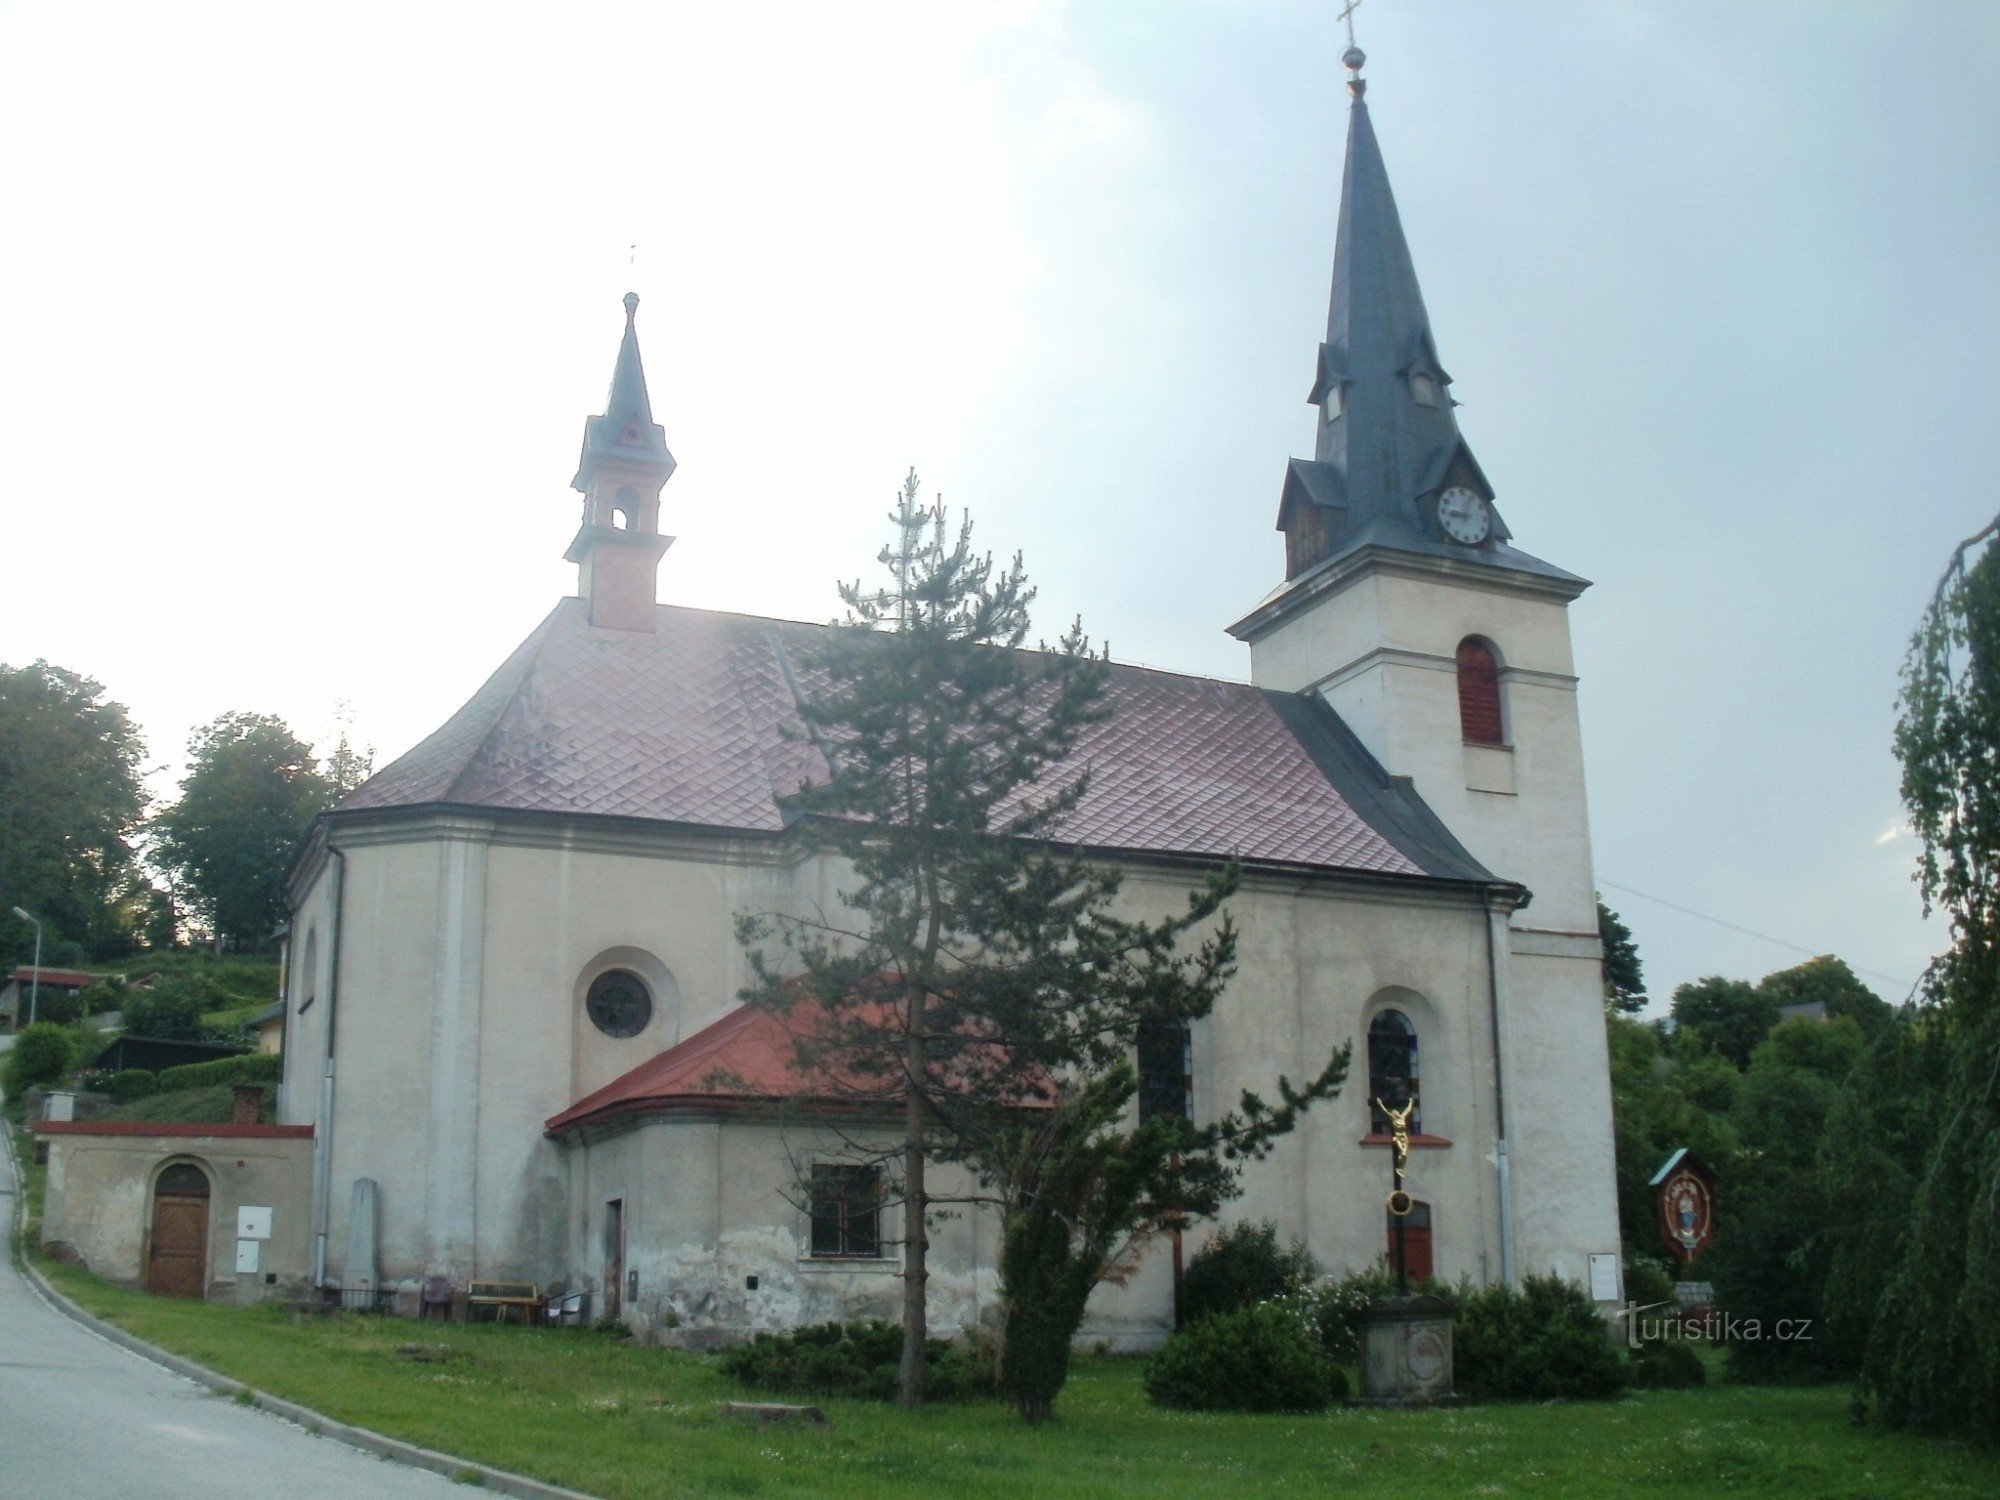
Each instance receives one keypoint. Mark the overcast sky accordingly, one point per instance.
(301, 311)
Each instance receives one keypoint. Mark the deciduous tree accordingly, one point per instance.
(70, 800)
(251, 791)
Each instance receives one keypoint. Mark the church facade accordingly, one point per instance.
(511, 1002)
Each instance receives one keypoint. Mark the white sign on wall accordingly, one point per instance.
(247, 1256)
(1604, 1278)
(253, 1223)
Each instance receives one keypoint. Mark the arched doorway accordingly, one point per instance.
(177, 1250)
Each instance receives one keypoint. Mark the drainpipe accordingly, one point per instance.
(323, 1132)
(1493, 917)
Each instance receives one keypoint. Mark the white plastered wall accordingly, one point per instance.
(1381, 648)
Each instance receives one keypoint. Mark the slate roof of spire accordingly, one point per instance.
(1386, 450)
(626, 430)
(696, 724)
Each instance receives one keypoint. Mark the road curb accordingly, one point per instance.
(461, 1470)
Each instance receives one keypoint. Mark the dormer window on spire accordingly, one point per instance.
(1423, 388)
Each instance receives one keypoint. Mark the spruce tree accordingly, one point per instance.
(973, 981)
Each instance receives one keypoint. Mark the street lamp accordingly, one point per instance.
(35, 979)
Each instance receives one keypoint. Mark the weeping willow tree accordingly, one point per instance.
(1933, 1360)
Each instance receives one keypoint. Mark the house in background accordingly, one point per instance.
(29, 988)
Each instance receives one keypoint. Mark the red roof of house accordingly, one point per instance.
(746, 1057)
(217, 1129)
(64, 979)
(698, 723)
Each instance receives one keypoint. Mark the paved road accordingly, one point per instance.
(81, 1418)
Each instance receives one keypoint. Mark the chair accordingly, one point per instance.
(437, 1293)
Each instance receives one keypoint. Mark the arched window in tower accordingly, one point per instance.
(1392, 1069)
(625, 509)
(1479, 694)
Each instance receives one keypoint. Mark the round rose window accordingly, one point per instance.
(619, 1003)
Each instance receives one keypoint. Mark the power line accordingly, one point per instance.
(1702, 916)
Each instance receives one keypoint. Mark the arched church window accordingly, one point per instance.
(1166, 1070)
(618, 1003)
(1423, 389)
(1479, 694)
(1392, 1069)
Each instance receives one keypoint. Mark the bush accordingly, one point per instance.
(1261, 1358)
(1243, 1265)
(1647, 1282)
(853, 1359)
(1667, 1365)
(172, 1009)
(133, 1083)
(1333, 1308)
(1542, 1343)
(41, 1057)
(251, 1067)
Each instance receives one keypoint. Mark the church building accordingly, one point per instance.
(511, 1011)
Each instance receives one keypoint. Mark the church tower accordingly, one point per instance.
(1446, 649)
(624, 466)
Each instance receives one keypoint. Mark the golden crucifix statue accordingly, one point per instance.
(1399, 1130)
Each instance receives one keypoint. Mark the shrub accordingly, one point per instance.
(133, 1083)
(172, 1009)
(1544, 1342)
(41, 1057)
(1333, 1308)
(853, 1359)
(1243, 1265)
(1667, 1365)
(1261, 1358)
(1647, 1283)
(251, 1067)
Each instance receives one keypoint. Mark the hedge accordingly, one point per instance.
(251, 1067)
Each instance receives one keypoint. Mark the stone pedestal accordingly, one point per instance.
(1406, 1351)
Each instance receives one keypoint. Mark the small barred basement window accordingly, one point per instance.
(846, 1212)
(1479, 694)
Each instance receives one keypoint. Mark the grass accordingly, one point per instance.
(601, 1414)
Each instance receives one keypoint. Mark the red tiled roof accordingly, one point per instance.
(689, 725)
(217, 1129)
(745, 1057)
(62, 979)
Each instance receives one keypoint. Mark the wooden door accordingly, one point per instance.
(177, 1250)
(1416, 1241)
(614, 1257)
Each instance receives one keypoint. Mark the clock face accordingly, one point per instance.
(1464, 515)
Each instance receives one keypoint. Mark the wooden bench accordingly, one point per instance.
(504, 1298)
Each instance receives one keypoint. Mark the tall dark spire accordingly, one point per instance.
(1389, 451)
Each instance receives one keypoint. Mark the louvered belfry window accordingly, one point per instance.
(1478, 694)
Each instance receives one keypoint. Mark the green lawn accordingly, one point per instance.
(603, 1415)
